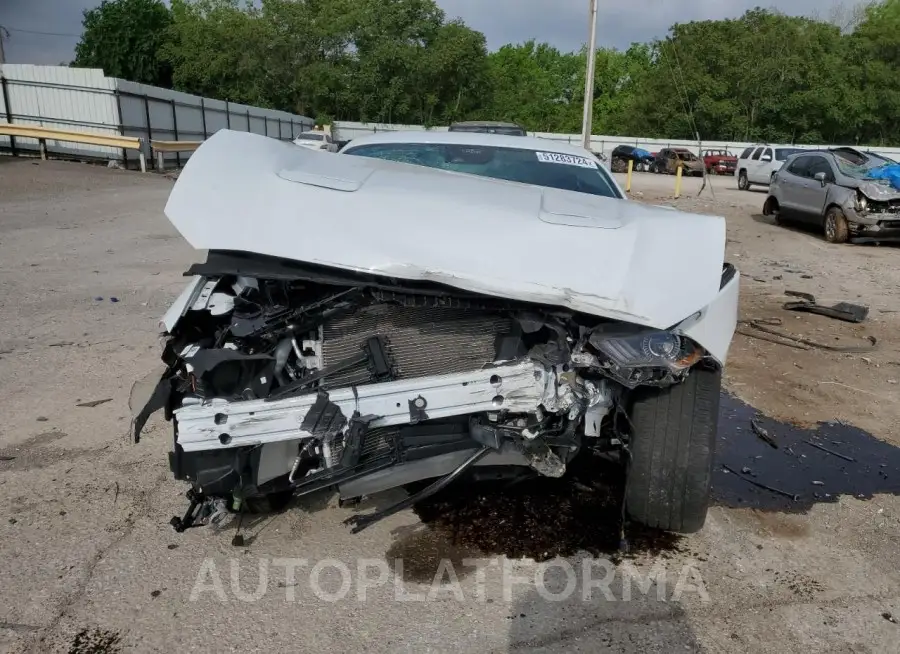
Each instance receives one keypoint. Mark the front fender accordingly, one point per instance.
(713, 326)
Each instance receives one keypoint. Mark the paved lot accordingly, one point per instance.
(90, 564)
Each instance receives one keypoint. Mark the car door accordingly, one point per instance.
(762, 172)
(753, 164)
(791, 183)
(811, 198)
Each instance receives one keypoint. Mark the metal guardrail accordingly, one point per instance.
(161, 147)
(43, 134)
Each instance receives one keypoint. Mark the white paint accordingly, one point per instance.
(605, 257)
(257, 421)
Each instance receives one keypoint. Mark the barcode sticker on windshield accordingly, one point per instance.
(565, 159)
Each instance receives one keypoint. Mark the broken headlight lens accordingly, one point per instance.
(862, 202)
(649, 350)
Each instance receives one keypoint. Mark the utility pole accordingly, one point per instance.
(3, 33)
(586, 125)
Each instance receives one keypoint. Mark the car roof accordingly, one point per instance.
(484, 123)
(469, 138)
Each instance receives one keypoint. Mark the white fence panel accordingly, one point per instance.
(84, 99)
(64, 98)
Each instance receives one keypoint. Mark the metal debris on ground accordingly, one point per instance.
(841, 311)
(762, 433)
(789, 340)
(771, 489)
(93, 403)
(831, 452)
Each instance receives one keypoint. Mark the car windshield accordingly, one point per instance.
(781, 154)
(859, 165)
(552, 169)
(685, 155)
(311, 137)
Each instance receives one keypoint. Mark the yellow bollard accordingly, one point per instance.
(678, 182)
(628, 179)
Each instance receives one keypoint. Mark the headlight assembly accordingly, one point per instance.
(649, 349)
(862, 202)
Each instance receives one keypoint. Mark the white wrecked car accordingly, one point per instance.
(363, 324)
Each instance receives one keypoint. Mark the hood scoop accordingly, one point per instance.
(558, 208)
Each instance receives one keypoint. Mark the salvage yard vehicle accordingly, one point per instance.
(316, 139)
(758, 164)
(361, 324)
(719, 162)
(622, 154)
(669, 160)
(837, 190)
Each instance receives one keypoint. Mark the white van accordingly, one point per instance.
(758, 163)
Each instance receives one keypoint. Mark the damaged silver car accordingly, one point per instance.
(837, 191)
(361, 324)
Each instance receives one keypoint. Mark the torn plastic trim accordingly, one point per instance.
(515, 387)
(182, 303)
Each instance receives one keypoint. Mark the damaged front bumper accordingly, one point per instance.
(514, 387)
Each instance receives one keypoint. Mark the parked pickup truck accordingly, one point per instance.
(719, 162)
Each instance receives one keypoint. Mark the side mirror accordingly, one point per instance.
(820, 177)
(767, 157)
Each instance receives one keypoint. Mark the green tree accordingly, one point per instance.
(124, 37)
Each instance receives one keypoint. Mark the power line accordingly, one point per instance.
(15, 29)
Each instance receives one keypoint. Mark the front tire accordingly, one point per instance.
(836, 228)
(743, 181)
(672, 452)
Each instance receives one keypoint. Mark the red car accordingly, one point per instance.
(719, 162)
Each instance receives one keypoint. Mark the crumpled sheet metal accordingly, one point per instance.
(890, 173)
(879, 191)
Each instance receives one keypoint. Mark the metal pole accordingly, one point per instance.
(149, 129)
(589, 79)
(227, 116)
(175, 130)
(121, 129)
(9, 116)
(203, 118)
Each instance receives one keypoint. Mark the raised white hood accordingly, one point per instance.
(607, 257)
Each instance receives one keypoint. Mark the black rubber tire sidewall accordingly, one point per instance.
(672, 452)
(743, 182)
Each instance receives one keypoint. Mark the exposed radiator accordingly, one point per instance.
(421, 341)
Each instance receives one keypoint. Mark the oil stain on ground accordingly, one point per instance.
(542, 518)
(808, 466)
(538, 518)
(96, 641)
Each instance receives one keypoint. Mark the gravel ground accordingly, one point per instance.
(88, 263)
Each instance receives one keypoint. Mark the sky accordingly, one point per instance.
(562, 23)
